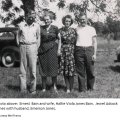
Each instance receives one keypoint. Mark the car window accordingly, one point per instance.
(7, 36)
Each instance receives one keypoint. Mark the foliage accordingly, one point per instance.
(18, 20)
(48, 12)
(102, 7)
(113, 24)
(6, 5)
(99, 26)
(84, 7)
(61, 4)
(76, 8)
(10, 14)
(28, 5)
(110, 26)
(73, 7)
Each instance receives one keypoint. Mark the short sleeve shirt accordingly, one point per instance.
(28, 34)
(85, 35)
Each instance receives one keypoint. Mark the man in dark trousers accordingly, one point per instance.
(85, 54)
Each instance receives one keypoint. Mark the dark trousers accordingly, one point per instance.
(85, 67)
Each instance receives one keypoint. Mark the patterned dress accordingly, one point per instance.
(67, 62)
(48, 60)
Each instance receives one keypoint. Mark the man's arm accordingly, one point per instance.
(18, 36)
(94, 39)
(38, 37)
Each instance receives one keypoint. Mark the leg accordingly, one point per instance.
(90, 69)
(44, 79)
(23, 68)
(71, 81)
(67, 83)
(32, 60)
(90, 78)
(54, 82)
(80, 68)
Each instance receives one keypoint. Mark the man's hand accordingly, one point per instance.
(94, 57)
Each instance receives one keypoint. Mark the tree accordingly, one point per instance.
(10, 12)
(99, 26)
(77, 6)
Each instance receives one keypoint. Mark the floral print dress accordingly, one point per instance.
(67, 62)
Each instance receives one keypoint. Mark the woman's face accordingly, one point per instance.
(47, 20)
(67, 22)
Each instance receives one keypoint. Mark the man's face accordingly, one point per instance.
(83, 21)
(30, 18)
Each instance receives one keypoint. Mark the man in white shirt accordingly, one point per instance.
(85, 54)
(29, 42)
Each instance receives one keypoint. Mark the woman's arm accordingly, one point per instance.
(59, 44)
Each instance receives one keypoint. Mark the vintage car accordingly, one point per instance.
(118, 53)
(9, 51)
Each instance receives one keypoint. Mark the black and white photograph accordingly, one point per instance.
(55, 49)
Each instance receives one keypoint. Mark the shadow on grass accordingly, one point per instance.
(115, 68)
(61, 87)
(48, 87)
(38, 87)
(12, 87)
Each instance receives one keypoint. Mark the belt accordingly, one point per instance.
(85, 46)
(22, 43)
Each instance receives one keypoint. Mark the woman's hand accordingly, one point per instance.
(59, 52)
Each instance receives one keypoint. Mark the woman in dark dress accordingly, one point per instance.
(67, 62)
(48, 51)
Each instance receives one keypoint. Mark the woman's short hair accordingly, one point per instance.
(67, 16)
(49, 14)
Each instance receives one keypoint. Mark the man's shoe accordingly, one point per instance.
(82, 91)
(24, 91)
(68, 91)
(90, 89)
(33, 92)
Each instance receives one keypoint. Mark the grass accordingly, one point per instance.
(107, 83)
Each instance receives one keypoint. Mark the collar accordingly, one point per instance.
(48, 28)
(81, 27)
(66, 28)
(32, 25)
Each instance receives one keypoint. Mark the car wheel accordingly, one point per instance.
(118, 57)
(8, 59)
